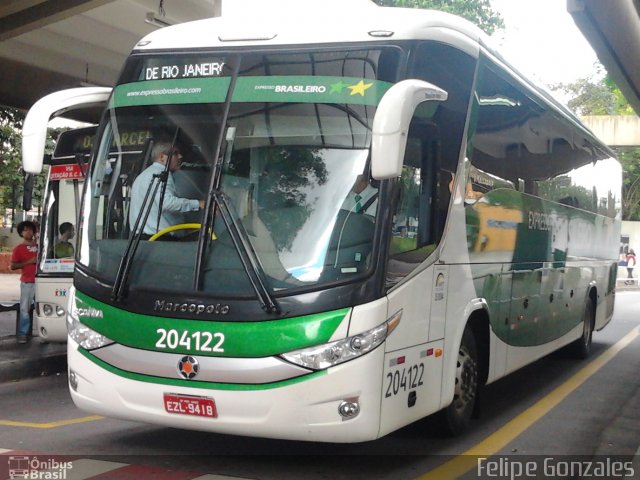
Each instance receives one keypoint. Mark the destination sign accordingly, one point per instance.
(164, 69)
(70, 171)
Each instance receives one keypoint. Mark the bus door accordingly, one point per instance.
(62, 204)
(56, 250)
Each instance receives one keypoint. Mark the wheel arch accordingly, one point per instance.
(476, 315)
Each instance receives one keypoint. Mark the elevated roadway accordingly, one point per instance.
(615, 130)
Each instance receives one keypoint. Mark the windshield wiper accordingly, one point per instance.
(247, 254)
(120, 283)
(165, 178)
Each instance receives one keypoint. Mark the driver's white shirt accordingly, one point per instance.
(365, 195)
(172, 205)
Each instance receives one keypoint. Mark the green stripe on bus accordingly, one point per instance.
(208, 338)
(171, 92)
(194, 383)
(310, 89)
(278, 89)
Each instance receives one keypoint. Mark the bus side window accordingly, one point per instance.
(417, 222)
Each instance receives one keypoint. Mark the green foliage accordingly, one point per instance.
(593, 96)
(630, 158)
(479, 12)
(590, 96)
(10, 157)
(11, 174)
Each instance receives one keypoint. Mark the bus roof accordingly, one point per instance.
(313, 22)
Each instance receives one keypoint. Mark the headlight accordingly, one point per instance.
(327, 355)
(49, 309)
(83, 335)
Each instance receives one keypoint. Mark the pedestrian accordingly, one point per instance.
(631, 262)
(24, 258)
(64, 248)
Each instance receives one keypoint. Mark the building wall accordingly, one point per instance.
(632, 229)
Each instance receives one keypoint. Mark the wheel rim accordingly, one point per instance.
(466, 381)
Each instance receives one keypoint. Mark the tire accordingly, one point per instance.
(581, 348)
(456, 418)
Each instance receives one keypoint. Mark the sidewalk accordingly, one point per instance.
(32, 359)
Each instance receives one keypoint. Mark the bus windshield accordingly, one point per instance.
(276, 147)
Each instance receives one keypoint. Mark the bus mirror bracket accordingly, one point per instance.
(34, 130)
(391, 124)
(27, 192)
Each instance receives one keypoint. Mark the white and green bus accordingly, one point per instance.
(485, 235)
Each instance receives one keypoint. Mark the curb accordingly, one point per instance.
(32, 367)
(22, 363)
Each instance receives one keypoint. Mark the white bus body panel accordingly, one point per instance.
(55, 292)
(34, 130)
(307, 410)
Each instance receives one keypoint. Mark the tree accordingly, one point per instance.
(479, 12)
(11, 177)
(630, 158)
(11, 173)
(593, 96)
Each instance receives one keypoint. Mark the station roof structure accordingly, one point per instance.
(49, 45)
(613, 30)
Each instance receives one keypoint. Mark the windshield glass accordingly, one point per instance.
(263, 171)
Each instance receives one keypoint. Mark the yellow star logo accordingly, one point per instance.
(359, 88)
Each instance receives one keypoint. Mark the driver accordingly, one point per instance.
(172, 205)
(363, 197)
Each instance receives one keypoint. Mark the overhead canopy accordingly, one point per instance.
(49, 45)
(612, 27)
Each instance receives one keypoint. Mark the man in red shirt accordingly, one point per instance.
(24, 257)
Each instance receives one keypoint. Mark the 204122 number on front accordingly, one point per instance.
(408, 378)
(192, 341)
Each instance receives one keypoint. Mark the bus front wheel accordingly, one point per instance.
(457, 416)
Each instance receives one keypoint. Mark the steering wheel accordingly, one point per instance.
(179, 226)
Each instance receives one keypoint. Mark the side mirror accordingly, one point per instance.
(391, 124)
(34, 130)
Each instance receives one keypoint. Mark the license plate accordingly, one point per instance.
(190, 405)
